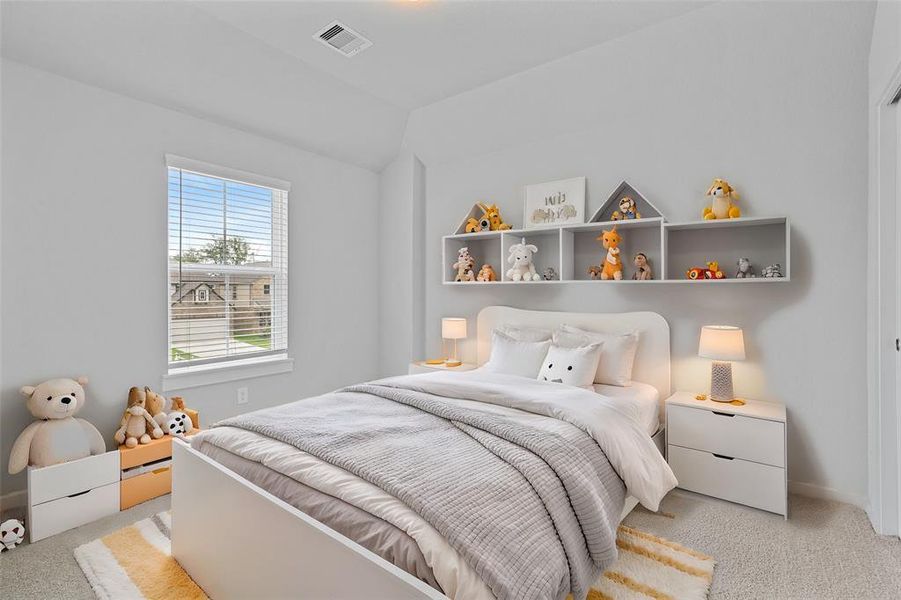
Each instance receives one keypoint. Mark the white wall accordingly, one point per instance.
(882, 328)
(84, 246)
(401, 295)
(772, 97)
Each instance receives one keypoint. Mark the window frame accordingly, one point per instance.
(182, 374)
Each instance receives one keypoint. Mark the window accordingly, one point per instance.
(228, 264)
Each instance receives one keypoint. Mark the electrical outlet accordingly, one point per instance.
(243, 397)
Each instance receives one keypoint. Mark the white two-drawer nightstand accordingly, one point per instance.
(419, 366)
(737, 453)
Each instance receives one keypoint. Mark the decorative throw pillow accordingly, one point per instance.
(514, 357)
(617, 353)
(525, 334)
(572, 366)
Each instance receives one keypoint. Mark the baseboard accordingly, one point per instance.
(16, 499)
(825, 493)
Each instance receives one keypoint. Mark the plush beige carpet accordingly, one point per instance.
(826, 550)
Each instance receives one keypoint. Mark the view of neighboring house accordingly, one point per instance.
(214, 315)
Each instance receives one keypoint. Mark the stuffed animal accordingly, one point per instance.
(178, 424)
(745, 269)
(12, 532)
(613, 266)
(486, 273)
(722, 194)
(489, 221)
(627, 210)
(57, 436)
(772, 271)
(594, 272)
(465, 263)
(520, 256)
(156, 406)
(550, 274)
(642, 268)
(137, 422)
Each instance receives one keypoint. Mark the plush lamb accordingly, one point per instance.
(58, 436)
(521, 259)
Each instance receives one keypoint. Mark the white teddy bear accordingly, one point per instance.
(521, 259)
(58, 436)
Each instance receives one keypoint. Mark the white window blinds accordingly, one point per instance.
(228, 264)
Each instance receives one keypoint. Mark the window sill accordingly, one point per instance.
(190, 377)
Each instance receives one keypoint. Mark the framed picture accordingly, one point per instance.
(554, 203)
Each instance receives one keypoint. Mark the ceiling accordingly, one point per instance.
(255, 66)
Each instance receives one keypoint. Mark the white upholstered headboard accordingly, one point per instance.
(652, 362)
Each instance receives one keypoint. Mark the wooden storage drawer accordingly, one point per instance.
(752, 439)
(135, 490)
(146, 453)
(65, 513)
(59, 481)
(745, 482)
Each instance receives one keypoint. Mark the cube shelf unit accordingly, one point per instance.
(672, 249)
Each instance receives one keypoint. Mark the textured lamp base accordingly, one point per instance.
(721, 382)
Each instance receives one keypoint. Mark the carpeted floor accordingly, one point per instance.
(825, 550)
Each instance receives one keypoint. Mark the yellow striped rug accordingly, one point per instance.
(136, 563)
(652, 567)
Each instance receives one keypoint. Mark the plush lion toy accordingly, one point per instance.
(722, 194)
(136, 421)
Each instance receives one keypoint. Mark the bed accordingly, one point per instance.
(550, 468)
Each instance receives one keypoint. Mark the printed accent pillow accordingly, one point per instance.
(572, 366)
(514, 357)
(617, 353)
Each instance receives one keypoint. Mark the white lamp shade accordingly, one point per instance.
(453, 328)
(721, 342)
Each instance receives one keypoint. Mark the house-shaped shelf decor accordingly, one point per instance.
(674, 250)
(642, 204)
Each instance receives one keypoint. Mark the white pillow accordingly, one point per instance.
(617, 353)
(513, 357)
(572, 366)
(525, 334)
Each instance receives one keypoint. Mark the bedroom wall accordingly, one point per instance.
(84, 242)
(772, 97)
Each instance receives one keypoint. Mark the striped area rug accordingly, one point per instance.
(652, 567)
(136, 563)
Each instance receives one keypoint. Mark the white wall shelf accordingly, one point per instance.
(672, 249)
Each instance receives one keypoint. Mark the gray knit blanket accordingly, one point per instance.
(529, 501)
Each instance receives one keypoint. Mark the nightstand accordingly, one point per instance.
(419, 366)
(737, 453)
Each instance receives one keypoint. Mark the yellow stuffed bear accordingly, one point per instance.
(722, 194)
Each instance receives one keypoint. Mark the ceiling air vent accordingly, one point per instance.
(343, 39)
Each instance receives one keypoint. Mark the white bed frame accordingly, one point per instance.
(238, 541)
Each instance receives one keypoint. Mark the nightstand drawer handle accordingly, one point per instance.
(722, 414)
(724, 457)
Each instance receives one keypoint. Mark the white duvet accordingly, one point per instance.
(629, 449)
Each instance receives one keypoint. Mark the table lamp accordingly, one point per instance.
(453, 328)
(723, 344)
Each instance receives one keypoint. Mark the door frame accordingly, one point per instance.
(884, 372)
